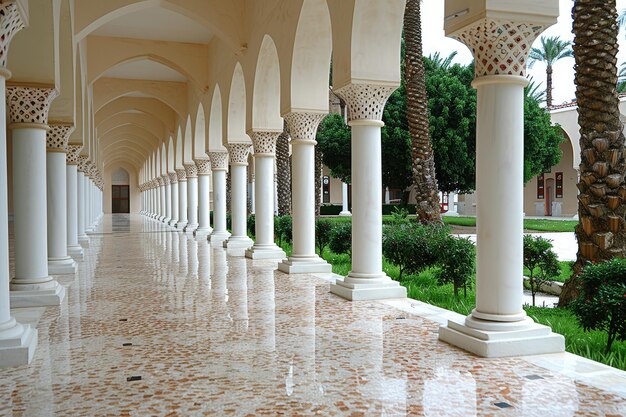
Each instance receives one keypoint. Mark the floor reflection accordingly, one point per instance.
(212, 333)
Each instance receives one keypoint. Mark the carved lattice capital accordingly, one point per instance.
(57, 137)
(159, 182)
(191, 170)
(500, 47)
(10, 23)
(29, 104)
(166, 179)
(173, 177)
(219, 161)
(82, 161)
(264, 143)
(203, 165)
(73, 151)
(365, 101)
(181, 174)
(238, 153)
(303, 126)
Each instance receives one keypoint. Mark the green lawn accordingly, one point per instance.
(566, 271)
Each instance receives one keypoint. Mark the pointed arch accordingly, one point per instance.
(188, 143)
(236, 119)
(171, 157)
(199, 137)
(215, 122)
(266, 91)
(179, 148)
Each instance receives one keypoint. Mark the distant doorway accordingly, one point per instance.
(120, 199)
(549, 196)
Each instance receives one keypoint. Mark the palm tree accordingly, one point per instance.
(427, 192)
(283, 173)
(552, 49)
(600, 232)
(533, 91)
(440, 62)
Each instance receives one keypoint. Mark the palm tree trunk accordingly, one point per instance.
(283, 172)
(427, 192)
(549, 85)
(600, 231)
(319, 165)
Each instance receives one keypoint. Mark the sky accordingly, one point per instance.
(563, 91)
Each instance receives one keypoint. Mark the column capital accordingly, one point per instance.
(365, 101)
(264, 143)
(155, 183)
(500, 46)
(181, 174)
(159, 181)
(238, 153)
(11, 22)
(73, 152)
(203, 165)
(303, 126)
(219, 161)
(30, 104)
(58, 136)
(166, 179)
(87, 168)
(82, 161)
(173, 177)
(191, 170)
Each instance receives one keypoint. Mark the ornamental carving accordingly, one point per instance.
(191, 170)
(159, 181)
(500, 47)
(238, 153)
(181, 174)
(264, 143)
(303, 126)
(29, 104)
(219, 161)
(166, 179)
(82, 161)
(87, 168)
(57, 137)
(365, 101)
(203, 165)
(73, 152)
(10, 23)
(173, 177)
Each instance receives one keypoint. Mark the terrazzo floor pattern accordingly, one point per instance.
(211, 333)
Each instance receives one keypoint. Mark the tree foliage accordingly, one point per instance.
(334, 142)
(541, 261)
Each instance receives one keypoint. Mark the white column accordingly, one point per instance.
(71, 175)
(219, 167)
(59, 262)
(204, 196)
(17, 341)
(366, 280)
(162, 207)
(83, 239)
(168, 198)
(156, 199)
(251, 194)
(264, 155)
(344, 200)
(31, 286)
(192, 197)
(387, 199)
(173, 197)
(302, 127)
(238, 157)
(498, 326)
(182, 198)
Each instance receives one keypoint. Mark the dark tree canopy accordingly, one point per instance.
(396, 143)
(333, 141)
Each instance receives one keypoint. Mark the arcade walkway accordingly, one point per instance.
(205, 332)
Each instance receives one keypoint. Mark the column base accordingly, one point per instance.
(61, 266)
(345, 214)
(523, 338)
(18, 343)
(305, 265)
(49, 293)
(265, 252)
(83, 240)
(358, 288)
(190, 228)
(238, 242)
(451, 214)
(173, 222)
(166, 220)
(76, 252)
(203, 231)
(181, 225)
(218, 237)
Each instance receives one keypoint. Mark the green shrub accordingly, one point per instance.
(601, 304)
(229, 221)
(283, 229)
(399, 215)
(251, 225)
(541, 262)
(323, 230)
(457, 258)
(341, 239)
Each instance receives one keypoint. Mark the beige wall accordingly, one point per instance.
(135, 195)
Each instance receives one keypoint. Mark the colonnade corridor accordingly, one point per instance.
(157, 322)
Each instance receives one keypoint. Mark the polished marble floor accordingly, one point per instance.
(157, 323)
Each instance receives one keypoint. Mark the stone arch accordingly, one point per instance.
(163, 148)
(266, 91)
(171, 157)
(188, 143)
(141, 120)
(179, 148)
(215, 122)
(199, 137)
(307, 88)
(236, 118)
(120, 176)
(149, 106)
(62, 107)
(569, 150)
(134, 178)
